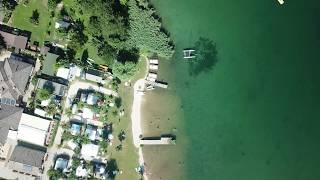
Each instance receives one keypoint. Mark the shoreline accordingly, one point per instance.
(136, 119)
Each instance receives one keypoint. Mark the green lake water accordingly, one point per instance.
(255, 114)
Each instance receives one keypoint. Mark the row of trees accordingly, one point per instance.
(119, 30)
(146, 30)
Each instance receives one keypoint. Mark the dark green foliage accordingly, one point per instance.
(122, 136)
(78, 38)
(8, 5)
(118, 102)
(66, 135)
(35, 17)
(103, 146)
(131, 55)
(124, 71)
(106, 20)
(43, 94)
(107, 53)
(145, 31)
(52, 173)
(52, 4)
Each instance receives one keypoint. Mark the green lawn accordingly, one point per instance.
(21, 19)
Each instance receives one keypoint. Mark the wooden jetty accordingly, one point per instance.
(158, 84)
(158, 141)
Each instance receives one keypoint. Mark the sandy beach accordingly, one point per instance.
(136, 118)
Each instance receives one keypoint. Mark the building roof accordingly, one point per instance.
(58, 89)
(94, 75)
(31, 127)
(14, 40)
(14, 76)
(89, 151)
(49, 62)
(27, 156)
(9, 119)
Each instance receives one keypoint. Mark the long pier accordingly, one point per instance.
(157, 141)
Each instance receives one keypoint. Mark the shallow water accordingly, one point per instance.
(252, 114)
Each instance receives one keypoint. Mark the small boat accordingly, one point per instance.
(281, 2)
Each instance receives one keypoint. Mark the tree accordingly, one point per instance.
(52, 4)
(51, 109)
(103, 146)
(107, 53)
(43, 94)
(9, 5)
(3, 44)
(124, 71)
(55, 173)
(146, 31)
(78, 38)
(35, 17)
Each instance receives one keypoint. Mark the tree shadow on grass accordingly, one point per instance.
(112, 167)
(206, 57)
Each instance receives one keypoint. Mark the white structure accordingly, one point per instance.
(153, 67)
(33, 129)
(94, 78)
(81, 171)
(69, 73)
(92, 99)
(89, 151)
(153, 61)
(87, 113)
(61, 24)
(42, 113)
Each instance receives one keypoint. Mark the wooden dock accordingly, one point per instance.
(159, 141)
(158, 84)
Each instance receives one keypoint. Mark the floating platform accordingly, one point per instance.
(189, 54)
(158, 141)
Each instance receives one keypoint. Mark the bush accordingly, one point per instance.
(124, 71)
(43, 94)
(35, 17)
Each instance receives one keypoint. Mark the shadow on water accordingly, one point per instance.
(206, 57)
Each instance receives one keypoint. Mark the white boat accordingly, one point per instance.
(153, 67)
(281, 2)
(153, 75)
(154, 61)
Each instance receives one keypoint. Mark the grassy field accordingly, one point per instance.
(21, 19)
(127, 159)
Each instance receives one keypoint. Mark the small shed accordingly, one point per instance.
(61, 24)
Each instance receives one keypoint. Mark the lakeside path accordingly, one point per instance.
(136, 119)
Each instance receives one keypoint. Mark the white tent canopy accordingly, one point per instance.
(89, 151)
